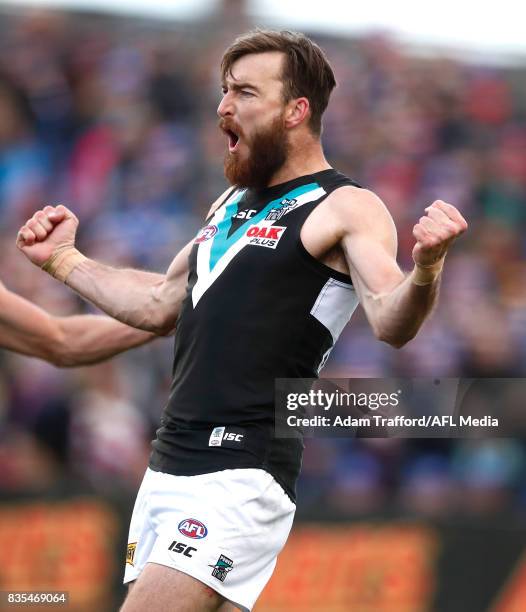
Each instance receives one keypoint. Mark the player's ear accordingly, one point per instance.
(296, 112)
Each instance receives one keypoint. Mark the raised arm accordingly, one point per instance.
(64, 341)
(141, 299)
(395, 304)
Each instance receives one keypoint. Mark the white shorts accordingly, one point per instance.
(225, 529)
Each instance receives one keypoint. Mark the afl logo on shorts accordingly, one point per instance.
(206, 233)
(191, 528)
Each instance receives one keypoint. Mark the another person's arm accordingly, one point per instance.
(64, 341)
(395, 304)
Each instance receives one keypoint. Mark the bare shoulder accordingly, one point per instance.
(351, 212)
(218, 202)
(356, 209)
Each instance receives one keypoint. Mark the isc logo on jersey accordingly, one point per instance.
(206, 233)
(192, 528)
(265, 236)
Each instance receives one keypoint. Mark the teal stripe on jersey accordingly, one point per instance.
(222, 242)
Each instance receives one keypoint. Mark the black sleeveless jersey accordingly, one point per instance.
(258, 307)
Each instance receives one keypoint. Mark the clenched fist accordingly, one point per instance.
(49, 231)
(435, 232)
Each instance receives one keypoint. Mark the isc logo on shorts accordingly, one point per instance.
(180, 548)
(265, 236)
(192, 528)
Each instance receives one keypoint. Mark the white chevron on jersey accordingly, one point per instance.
(205, 276)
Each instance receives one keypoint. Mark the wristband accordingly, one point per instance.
(427, 275)
(63, 261)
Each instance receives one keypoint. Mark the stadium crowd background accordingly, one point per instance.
(116, 119)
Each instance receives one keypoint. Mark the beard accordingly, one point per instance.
(268, 151)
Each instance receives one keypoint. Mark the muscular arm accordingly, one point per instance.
(64, 341)
(141, 299)
(395, 304)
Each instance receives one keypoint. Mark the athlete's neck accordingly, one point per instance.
(304, 158)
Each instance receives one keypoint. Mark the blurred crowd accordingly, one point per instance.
(116, 119)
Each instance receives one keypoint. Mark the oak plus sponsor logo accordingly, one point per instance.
(265, 236)
(206, 233)
(192, 528)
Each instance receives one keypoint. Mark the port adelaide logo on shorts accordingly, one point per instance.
(192, 528)
(221, 567)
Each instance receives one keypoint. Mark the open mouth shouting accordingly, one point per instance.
(233, 137)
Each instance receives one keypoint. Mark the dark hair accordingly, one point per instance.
(306, 70)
